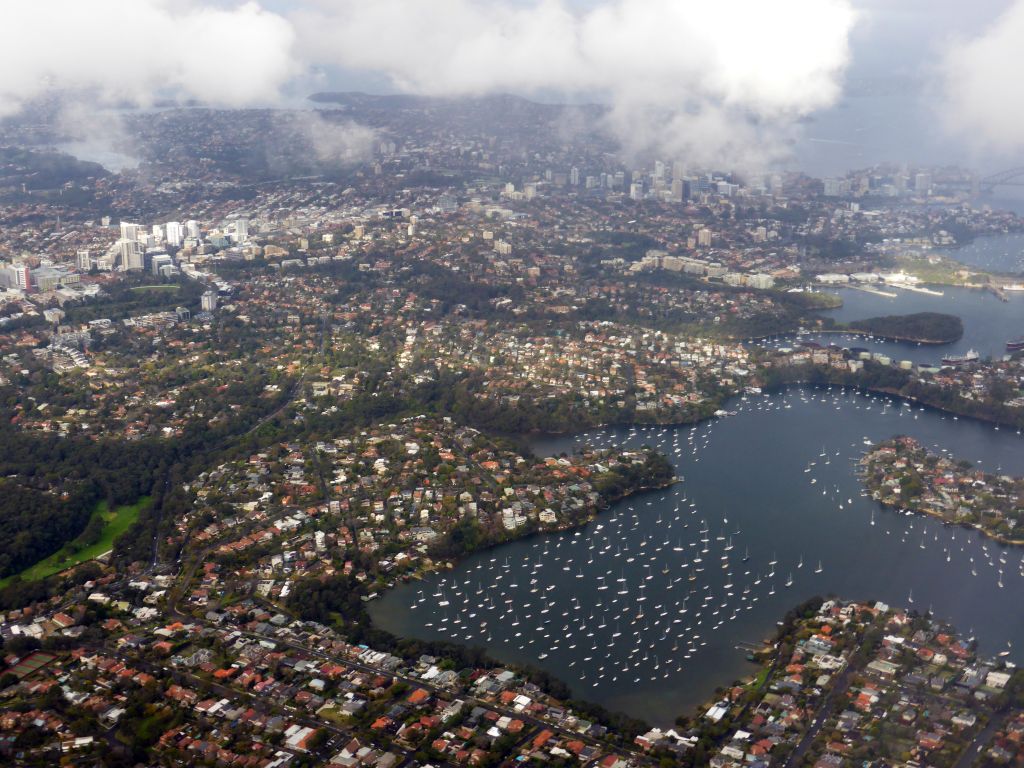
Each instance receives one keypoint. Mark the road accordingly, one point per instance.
(820, 718)
(970, 755)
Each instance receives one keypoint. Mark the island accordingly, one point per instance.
(902, 474)
(919, 327)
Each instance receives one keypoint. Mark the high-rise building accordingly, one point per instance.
(636, 191)
(17, 276)
(192, 229)
(83, 260)
(175, 233)
(208, 301)
(677, 191)
(158, 233)
(129, 231)
(704, 238)
(131, 255)
(574, 177)
(241, 230)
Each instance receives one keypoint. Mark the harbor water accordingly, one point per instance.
(652, 606)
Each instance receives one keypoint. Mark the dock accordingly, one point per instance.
(921, 289)
(998, 292)
(875, 291)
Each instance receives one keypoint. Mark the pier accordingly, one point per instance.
(998, 292)
(920, 289)
(875, 291)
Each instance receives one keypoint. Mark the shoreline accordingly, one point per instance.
(884, 337)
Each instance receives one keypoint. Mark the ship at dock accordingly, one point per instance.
(971, 357)
(1015, 345)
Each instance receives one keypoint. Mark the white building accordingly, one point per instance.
(175, 233)
(208, 301)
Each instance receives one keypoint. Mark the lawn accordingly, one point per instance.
(155, 288)
(116, 522)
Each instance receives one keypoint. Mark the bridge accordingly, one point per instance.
(1012, 177)
(985, 185)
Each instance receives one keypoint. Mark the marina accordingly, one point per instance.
(643, 609)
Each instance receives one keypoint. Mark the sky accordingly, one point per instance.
(825, 85)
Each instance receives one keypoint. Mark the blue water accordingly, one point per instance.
(988, 322)
(749, 476)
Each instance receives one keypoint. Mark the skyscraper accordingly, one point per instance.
(208, 301)
(175, 233)
(129, 231)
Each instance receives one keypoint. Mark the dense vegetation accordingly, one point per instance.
(924, 327)
(53, 484)
(33, 523)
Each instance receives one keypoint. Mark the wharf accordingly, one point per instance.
(875, 291)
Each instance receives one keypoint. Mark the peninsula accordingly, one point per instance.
(902, 474)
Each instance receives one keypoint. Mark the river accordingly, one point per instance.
(571, 602)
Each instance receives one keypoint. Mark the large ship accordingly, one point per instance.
(970, 357)
(1015, 345)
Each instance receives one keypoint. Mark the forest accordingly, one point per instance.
(922, 327)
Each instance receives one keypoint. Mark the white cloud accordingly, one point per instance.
(683, 75)
(719, 81)
(983, 92)
(332, 141)
(142, 50)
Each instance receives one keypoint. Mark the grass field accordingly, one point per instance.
(115, 521)
(155, 288)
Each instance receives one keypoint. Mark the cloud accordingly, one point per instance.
(95, 135)
(721, 81)
(335, 142)
(982, 95)
(142, 51)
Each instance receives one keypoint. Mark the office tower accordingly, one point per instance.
(129, 231)
(175, 233)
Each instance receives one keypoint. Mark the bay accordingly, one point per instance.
(758, 484)
(988, 322)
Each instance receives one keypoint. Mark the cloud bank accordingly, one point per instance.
(721, 81)
(142, 50)
(983, 101)
(709, 80)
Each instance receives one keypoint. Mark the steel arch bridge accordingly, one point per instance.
(1012, 177)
